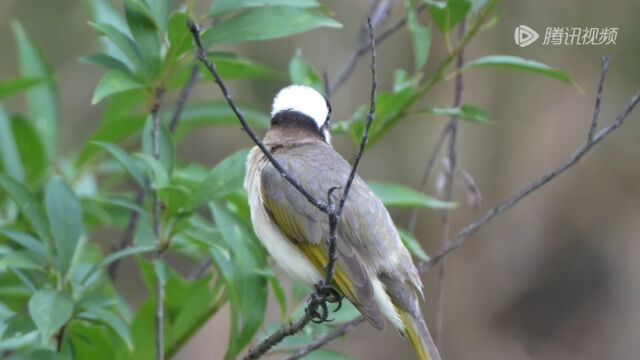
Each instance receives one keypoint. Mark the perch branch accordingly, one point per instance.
(470, 229)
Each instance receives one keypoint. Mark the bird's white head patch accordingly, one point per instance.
(302, 99)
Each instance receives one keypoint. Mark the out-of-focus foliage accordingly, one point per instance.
(56, 299)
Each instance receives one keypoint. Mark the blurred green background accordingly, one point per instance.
(557, 277)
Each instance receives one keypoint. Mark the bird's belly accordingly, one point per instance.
(283, 251)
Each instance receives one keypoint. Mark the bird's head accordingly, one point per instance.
(299, 107)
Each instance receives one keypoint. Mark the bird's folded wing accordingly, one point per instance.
(308, 228)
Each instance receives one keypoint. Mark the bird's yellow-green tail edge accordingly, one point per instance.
(416, 330)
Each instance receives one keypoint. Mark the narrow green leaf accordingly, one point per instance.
(115, 322)
(18, 341)
(465, 112)
(412, 244)
(447, 14)
(159, 10)
(197, 115)
(268, 23)
(156, 171)
(160, 268)
(30, 147)
(103, 12)
(113, 82)
(123, 42)
(396, 195)
(65, 219)
(9, 153)
(120, 254)
(42, 100)
(226, 177)
(303, 73)
(278, 291)
(221, 7)
(108, 62)
(231, 66)
(517, 63)
(12, 86)
(420, 36)
(180, 40)
(126, 161)
(19, 259)
(25, 240)
(50, 310)
(145, 34)
(28, 204)
(247, 290)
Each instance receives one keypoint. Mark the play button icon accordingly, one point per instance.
(524, 35)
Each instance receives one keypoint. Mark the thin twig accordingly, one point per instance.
(202, 56)
(322, 341)
(448, 191)
(379, 13)
(413, 218)
(183, 97)
(604, 66)
(157, 226)
(470, 229)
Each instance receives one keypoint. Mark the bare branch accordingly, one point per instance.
(596, 111)
(182, 98)
(452, 160)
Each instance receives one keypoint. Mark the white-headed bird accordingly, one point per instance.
(374, 270)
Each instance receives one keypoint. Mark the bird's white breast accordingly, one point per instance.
(283, 251)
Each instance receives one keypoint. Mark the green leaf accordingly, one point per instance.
(25, 240)
(420, 36)
(166, 148)
(231, 66)
(145, 34)
(465, 112)
(120, 254)
(108, 62)
(156, 171)
(412, 244)
(30, 148)
(303, 73)
(115, 322)
(159, 10)
(517, 63)
(126, 161)
(50, 310)
(19, 259)
(123, 42)
(104, 13)
(247, 290)
(42, 100)
(12, 86)
(447, 14)
(65, 219)
(180, 40)
(226, 177)
(221, 7)
(268, 23)
(28, 204)
(18, 341)
(9, 153)
(396, 195)
(113, 82)
(278, 291)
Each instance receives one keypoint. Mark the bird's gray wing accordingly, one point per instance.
(319, 168)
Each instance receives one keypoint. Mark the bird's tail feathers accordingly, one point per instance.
(416, 330)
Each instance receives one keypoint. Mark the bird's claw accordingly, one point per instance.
(323, 295)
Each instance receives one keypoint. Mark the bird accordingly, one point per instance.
(374, 269)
